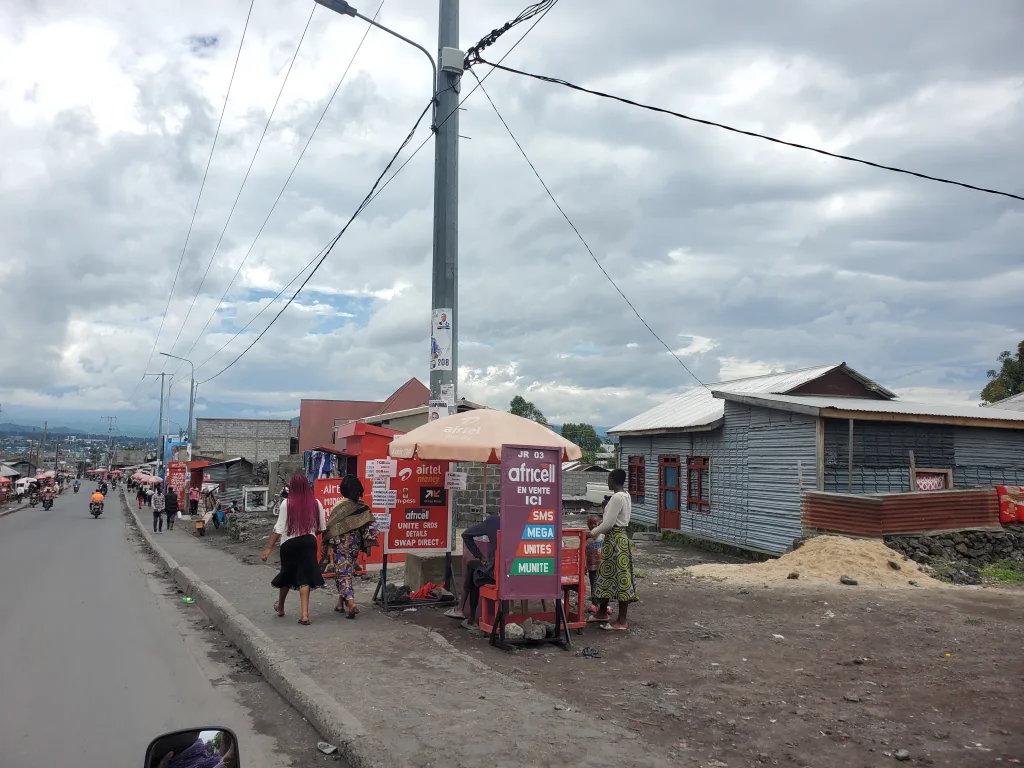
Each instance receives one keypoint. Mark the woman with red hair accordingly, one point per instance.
(300, 519)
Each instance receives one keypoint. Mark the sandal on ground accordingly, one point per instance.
(278, 610)
(596, 620)
(454, 613)
(304, 622)
(609, 628)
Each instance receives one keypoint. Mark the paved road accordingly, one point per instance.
(97, 656)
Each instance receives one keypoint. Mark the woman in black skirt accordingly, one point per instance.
(301, 517)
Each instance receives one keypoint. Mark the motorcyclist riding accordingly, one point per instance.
(97, 498)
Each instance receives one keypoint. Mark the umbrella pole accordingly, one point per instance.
(485, 489)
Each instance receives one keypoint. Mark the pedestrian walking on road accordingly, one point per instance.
(159, 503)
(299, 520)
(171, 507)
(140, 496)
(193, 499)
(350, 530)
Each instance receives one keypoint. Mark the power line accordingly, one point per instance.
(580, 236)
(334, 241)
(284, 186)
(537, 9)
(202, 186)
(538, 19)
(752, 134)
(238, 196)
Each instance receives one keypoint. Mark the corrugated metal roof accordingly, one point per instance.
(815, 405)
(1014, 403)
(698, 409)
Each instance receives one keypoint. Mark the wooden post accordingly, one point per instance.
(849, 461)
(819, 441)
(913, 473)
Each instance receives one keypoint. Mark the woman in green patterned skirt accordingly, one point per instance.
(615, 579)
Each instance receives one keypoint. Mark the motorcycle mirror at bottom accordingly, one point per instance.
(206, 747)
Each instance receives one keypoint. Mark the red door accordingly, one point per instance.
(668, 493)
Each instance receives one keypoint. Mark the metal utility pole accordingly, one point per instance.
(444, 299)
(159, 424)
(191, 394)
(110, 436)
(42, 446)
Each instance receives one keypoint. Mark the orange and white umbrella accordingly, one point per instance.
(477, 436)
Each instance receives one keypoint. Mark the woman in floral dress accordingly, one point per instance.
(350, 530)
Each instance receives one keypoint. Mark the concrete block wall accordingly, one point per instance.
(575, 483)
(469, 503)
(252, 439)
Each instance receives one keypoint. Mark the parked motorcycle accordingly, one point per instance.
(33, 500)
(96, 508)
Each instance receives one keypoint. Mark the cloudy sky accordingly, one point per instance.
(742, 255)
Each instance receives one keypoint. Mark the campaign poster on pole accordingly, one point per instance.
(177, 480)
(421, 516)
(531, 523)
(441, 321)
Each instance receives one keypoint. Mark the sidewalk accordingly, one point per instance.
(411, 698)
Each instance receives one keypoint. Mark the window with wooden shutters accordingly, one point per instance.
(637, 479)
(668, 483)
(698, 484)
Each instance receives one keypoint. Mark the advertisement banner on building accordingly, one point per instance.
(421, 516)
(176, 449)
(441, 339)
(177, 480)
(327, 491)
(531, 523)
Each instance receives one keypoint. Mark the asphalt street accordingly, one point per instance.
(98, 656)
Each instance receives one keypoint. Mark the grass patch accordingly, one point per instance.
(1007, 571)
(640, 573)
(974, 621)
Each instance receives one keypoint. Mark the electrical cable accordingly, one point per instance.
(539, 8)
(330, 246)
(238, 196)
(202, 186)
(284, 186)
(383, 186)
(580, 236)
(471, 92)
(752, 134)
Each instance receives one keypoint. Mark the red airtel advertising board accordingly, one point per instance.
(421, 518)
(177, 478)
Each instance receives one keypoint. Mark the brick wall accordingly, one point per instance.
(575, 483)
(252, 439)
(469, 503)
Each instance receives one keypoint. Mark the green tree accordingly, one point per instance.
(520, 406)
(583, 435)
(1008, 380)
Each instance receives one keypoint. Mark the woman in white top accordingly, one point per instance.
(299, 520)
(615, 580)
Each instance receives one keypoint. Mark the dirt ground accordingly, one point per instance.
(716, 674)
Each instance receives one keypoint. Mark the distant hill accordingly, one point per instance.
(602, 432)
(10, 428)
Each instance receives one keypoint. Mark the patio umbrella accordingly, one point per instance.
(477, 436)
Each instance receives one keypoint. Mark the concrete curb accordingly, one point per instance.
(12, 511)
(334, 723)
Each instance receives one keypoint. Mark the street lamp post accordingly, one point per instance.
(444, 299)
(191, 392)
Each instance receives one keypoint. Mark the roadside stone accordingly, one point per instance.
(852, 698)
(848, 581)
(901, 755)
(895, 566)
(793, 575)
(514, 632)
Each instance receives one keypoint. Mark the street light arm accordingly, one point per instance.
(342, 7)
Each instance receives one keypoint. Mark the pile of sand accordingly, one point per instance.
(825, 559)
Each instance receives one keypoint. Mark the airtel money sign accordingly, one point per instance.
(420, 520)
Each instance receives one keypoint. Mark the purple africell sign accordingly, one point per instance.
(529, 563)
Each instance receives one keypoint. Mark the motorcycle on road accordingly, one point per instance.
(47, 503)
(96, 508)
